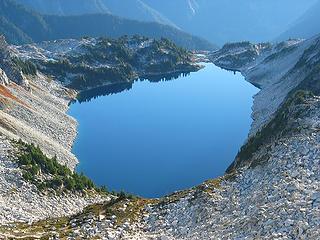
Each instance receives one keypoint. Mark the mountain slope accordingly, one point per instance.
(224, 21)
(111, 26)
(131, 9)
(221, 21)
(137, 10)
(20, 25)
(70, 7)
(306, 26)
(276, 69)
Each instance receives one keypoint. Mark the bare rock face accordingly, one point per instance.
(7, 65)
(276, 69)
(3, 78)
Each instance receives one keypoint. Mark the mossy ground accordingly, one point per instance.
(63, 227)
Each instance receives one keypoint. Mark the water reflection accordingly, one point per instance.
(88, 95)
(165, 77)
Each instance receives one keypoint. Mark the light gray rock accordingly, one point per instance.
(3, 78)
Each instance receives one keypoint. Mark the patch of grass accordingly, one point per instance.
(174, 197)
(123, 208)
(45, 229)
(62, 227)
(126, 210)
(214, 183)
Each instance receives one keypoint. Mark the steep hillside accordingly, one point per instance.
(224, 21)
(21, 25)
(111, 26)
(131, 9)
(306, 26)
(279, 71)
(70, 7)
(33, 110)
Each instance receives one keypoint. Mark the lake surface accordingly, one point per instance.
(154, 138)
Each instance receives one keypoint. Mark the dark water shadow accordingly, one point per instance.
(88, 95)
(164, 77)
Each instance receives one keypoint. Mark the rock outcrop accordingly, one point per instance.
(3, 78)
(6, 64)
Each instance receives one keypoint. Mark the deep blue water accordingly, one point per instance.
(160, 137)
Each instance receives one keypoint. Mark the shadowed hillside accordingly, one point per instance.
(306, 26)
(20, 25)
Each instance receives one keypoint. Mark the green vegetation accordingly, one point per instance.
(85, 77)
(27, 67)
(118, 61)
(52, 227)
(278, 126)
(34, 162)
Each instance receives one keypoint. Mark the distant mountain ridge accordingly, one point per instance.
(21, 25)
(111, 26)
(218, 21)
(131, 9)
(69, 7)
(306, 26)
(222, 21)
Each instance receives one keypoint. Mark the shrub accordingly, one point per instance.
(32, 161)
(27, 67)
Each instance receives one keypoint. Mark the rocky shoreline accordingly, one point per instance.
(38, 117)
(272, 68)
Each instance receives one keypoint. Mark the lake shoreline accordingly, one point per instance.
(231, 158)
